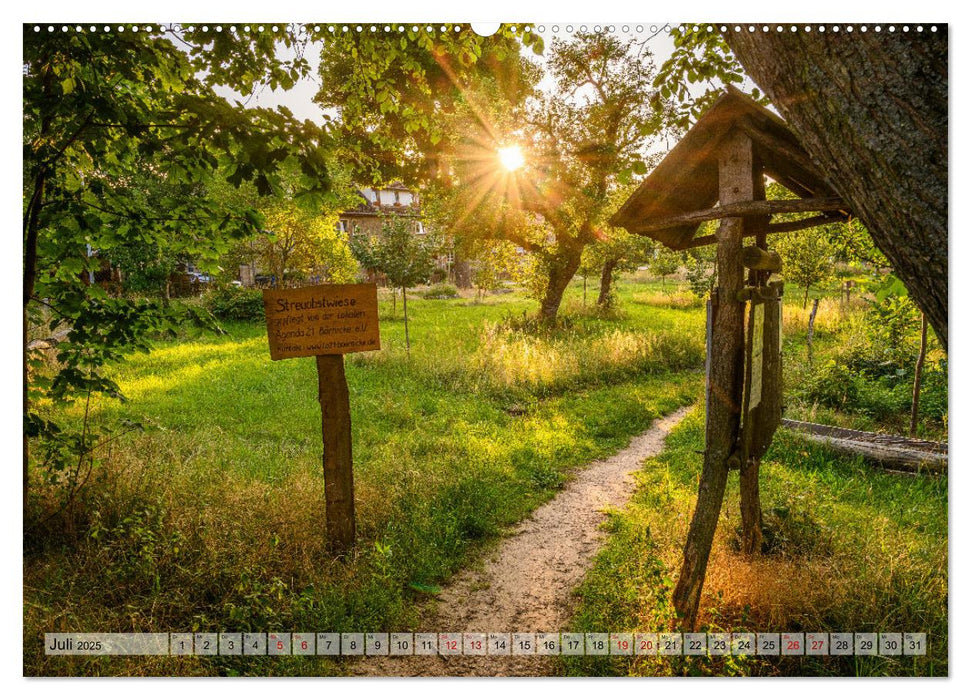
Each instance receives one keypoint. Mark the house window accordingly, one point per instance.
(419, 228)
(342, 225)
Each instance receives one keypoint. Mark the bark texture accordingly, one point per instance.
(561, 272)
(606, 282)
(871, 110)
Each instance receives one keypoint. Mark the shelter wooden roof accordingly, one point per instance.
(686, 180)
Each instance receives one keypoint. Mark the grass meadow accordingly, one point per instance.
(212, 518)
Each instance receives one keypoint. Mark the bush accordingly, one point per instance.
(441, 291)
(235, 303)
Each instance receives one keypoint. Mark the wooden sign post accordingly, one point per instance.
(327, 322)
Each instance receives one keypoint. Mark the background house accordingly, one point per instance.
(393, 199)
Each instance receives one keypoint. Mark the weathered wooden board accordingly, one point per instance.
(763, 381)
(330, 319)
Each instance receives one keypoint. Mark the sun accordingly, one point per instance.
(511, 157)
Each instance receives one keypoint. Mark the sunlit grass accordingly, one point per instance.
(213, 518)
(854, 550)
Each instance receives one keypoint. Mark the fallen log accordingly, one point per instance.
(889, 451)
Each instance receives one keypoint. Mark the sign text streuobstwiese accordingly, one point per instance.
(332, 319)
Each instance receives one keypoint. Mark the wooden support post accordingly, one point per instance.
(335, 409)
(750, 503)
(736, 183)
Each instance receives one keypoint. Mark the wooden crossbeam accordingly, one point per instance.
(780, 227)
(744, 209)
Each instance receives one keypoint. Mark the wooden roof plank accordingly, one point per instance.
(685, 182)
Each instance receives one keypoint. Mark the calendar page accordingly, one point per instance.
(437, 348)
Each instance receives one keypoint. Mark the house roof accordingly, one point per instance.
(369, 208)
(686, 180)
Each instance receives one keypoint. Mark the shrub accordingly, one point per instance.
(235, 303)
(441, 291)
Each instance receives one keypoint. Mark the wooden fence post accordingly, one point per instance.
(736, 184)
(335, 410)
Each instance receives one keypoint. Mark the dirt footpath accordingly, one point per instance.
(526, 584)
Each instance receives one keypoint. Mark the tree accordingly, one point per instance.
(877, 126)
(665, 262)
(591, 262)
(807, 258)
(147, 263)
(619, 252)
(298, 245)
(99, 110)
(586, 140)
(298, 240)
(394, 91)
(490, 262)
(404, 258)
(700, 269)
(579, 144)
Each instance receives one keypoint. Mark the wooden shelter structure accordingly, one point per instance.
(717, 172)
(683, 190)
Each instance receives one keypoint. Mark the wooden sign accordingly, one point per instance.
(327, 322)
(763, 374)
(756, 331)
(330, 319)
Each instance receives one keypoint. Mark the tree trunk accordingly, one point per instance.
(561, 272)
(809, 335)
(584, 291)
(404, 304)
(462, 274)
(606, 280)
(724, 381)
(918, 370)
(31, 231)
(32, 226)
(872, 111)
